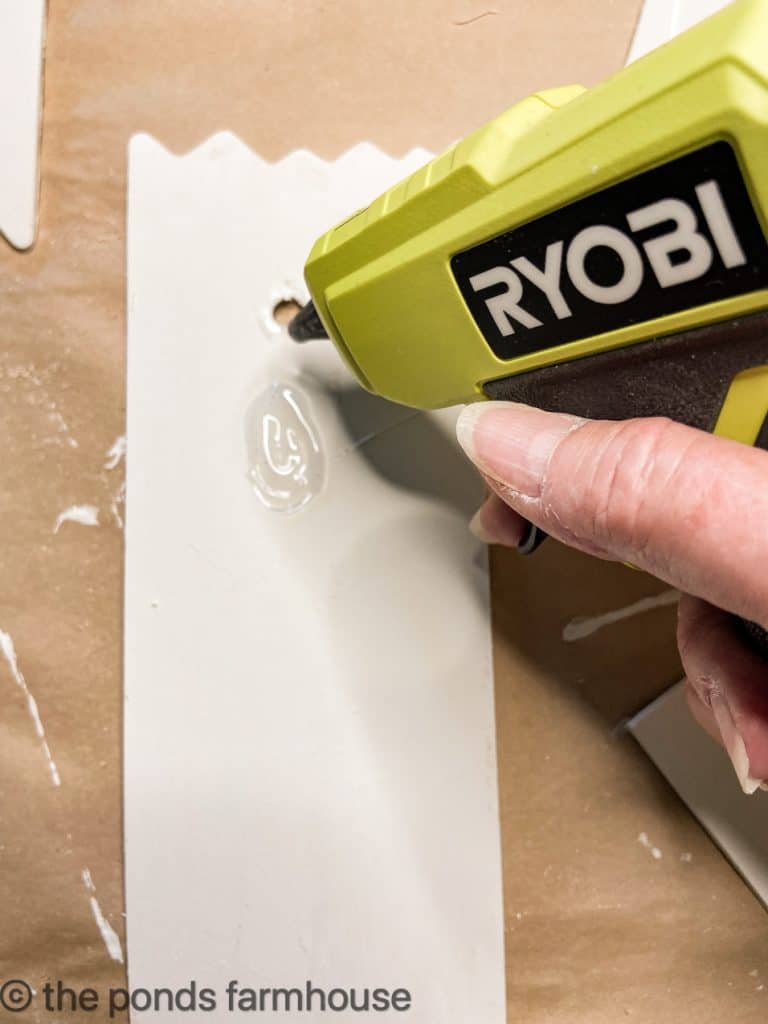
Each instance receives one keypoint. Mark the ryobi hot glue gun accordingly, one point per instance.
(597, 252)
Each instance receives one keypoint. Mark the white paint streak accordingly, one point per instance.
(645, 842)
(578, 629)
(55, 777)
(9, 653)
(115, 453)
(108, 933)
(86, 515)
(117, 503)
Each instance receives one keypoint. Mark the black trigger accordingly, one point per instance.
(762, 437)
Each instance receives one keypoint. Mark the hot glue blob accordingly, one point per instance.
(286, 465)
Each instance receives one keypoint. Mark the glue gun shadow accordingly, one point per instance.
(426, 461)
(412, 451)
(533, 597)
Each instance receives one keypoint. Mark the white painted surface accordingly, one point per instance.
(701, 773)
(310, 770)
(660, 20)
(22, 27)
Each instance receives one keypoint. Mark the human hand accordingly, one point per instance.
(686, 506)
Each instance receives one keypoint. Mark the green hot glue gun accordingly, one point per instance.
(597, 252)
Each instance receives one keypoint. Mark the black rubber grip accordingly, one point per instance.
(684, 376)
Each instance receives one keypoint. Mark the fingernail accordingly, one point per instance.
(733, 742)
(495, 523)
(513, 443)
(479, 530)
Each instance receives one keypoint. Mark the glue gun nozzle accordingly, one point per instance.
(307, 325)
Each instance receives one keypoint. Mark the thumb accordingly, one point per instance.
(684, 505)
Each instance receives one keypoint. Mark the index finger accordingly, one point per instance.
(684, 505)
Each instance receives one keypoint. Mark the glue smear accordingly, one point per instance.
(286, 464)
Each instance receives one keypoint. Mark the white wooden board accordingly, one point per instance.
(310, 772)
(699, 770)
(22, 29)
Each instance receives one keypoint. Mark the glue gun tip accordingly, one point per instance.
(307, 325)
